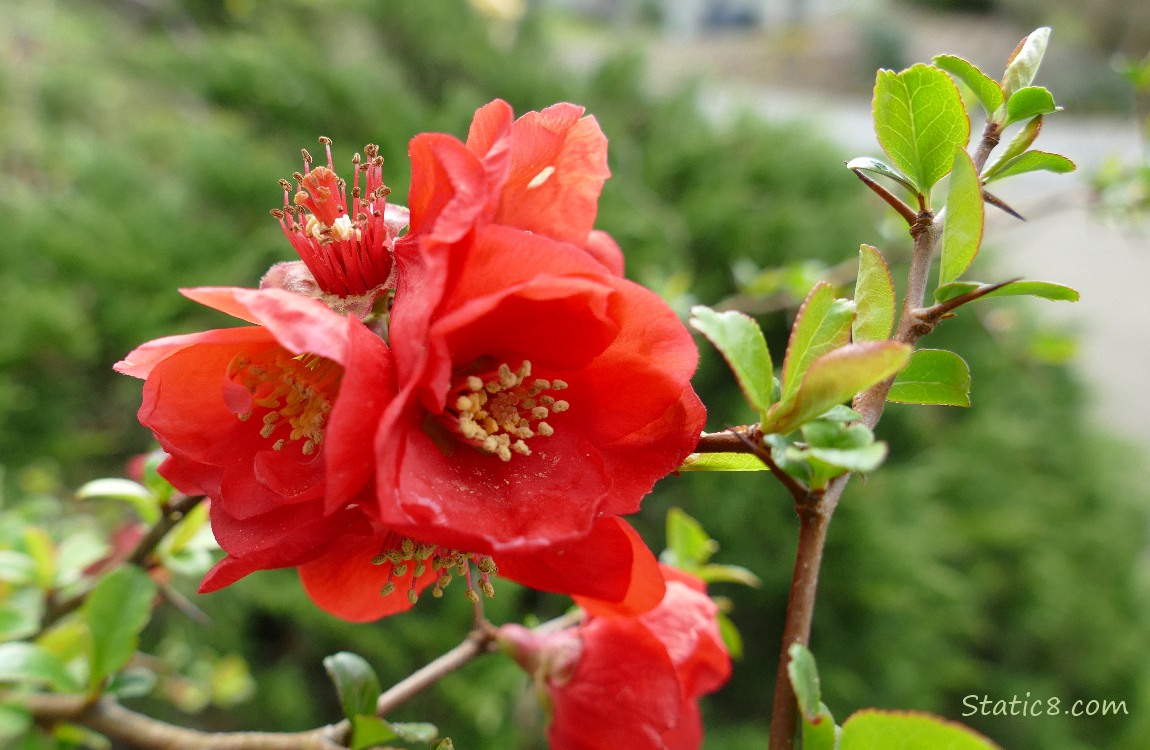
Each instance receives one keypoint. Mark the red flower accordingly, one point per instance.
(629, 681)
(529, 396)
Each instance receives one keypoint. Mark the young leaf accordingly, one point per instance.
(415, 731)
(819, 733)
(834, 378)
(867, 164)
(689, 544)
(987, 90)
(962, 232)
(732, 639)
(863, 460)
(716, 573)
(1027, 102)
(874, 298)
(933, 376)
(804, 674)
(741, 342)
(1016, 147)
(29, 663)
(355, 682)
(1033, 161)
(1023, 63)
(919, 120)
(823, 324)
(124, 490)
(118, 608)
(722, 462)
(1043, 289)
(872, 728)
(370, 731)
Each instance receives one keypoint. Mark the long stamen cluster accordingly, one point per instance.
(408, 554)
(346, 245)
(498, 414)
(296, 392)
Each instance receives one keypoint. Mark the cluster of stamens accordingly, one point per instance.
(296, 392)
(346, 246)
(416, 556)
(498, 414)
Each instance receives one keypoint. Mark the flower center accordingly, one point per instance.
(407, 555)
(346, 245)
(296, 395)
(499, 411)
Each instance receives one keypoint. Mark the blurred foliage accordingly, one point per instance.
(1000, 551)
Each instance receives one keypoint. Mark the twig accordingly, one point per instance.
(892, 200)
(935, 313)
(728, 441)
(109, 718)
(799, 491)
(990, 137)
(478, 641)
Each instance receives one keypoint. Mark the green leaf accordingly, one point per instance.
(14, 721)
(962, 232)
(1033, 161)
(863, 460)
(1016, 147)
(370, 731)
(24, 662)
(160, 487)
(822, 325)
(131, 683)
(16, 568)
(1043, 289)
(722, 462)
(1027, 102)
(740, 340)
(118, 608)
(987, 90)
(730, 634)
(1023, 64)
(690, 545)
(444, 744)
(355, 682)
(43, 551)
(835, 378)
(186, 530)
(933, 376)
(906, 730)
(867, 164)
(804, 675)
(714, 573)
(920, 121)
(126, 491)
(819, 733)
(874, 298)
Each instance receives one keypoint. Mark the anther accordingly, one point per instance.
(379, 559)
(325, 140)
(387, 589)
(306, 156)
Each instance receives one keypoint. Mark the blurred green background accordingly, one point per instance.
(1001, 551)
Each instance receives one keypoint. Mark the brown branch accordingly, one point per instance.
(754, 442)
(892, 200)
(935, 313)
(728, 441)
(173, 513)
(109, 718)
(478, 641)
(991, 134)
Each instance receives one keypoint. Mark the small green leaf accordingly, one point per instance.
(1028, 102)
(920, 121)
(688, 542)
(15, 721)
(871, 728)
(1033, 161)
(1043, 289)
(962, 232)
(23, 662)
(714, 573)
(740, 340)
(822, 325)
(834, 378)
(118, 608)
(126, 491)
(16, 568)
(987, 90)
(133, 682)
(862, 460)
(730, 634)
(819, 733)
(160, 487)
(186, 530)
(804, 674)
(874, 298)
(355, 682)
(370, 731)
(1016, 147)
(867, 164)
(1023, 64)
(444, 744)
(722, 462)
(933, 376)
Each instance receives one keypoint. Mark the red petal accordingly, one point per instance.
(623, 693)
(603, 248)
(685, 622)
(346, 584)
(611, 571)
(448, 187)
(559, 164)
(489, 138)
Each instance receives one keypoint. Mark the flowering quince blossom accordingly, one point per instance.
(485, 389)
(631, 682)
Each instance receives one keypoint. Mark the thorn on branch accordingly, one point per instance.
(905, 211)
(932, 315)
(1002, 205)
